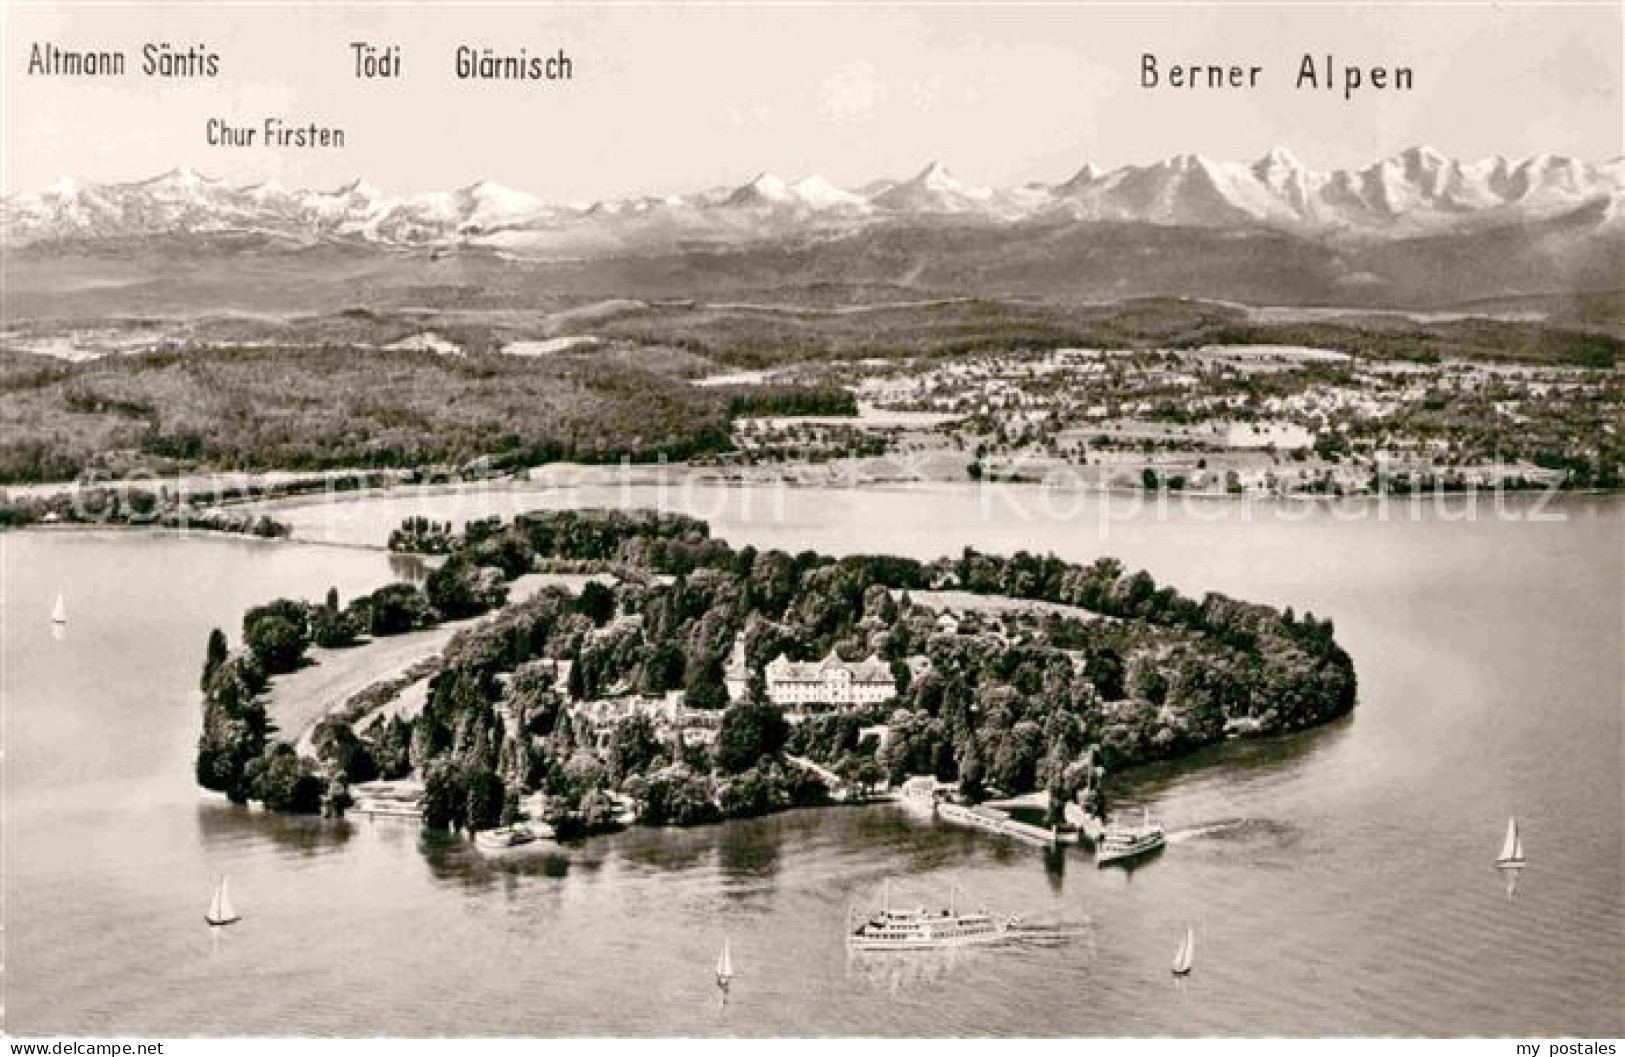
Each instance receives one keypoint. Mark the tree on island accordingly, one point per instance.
(332, 629)
(347, 756)
(633, 747)
(576, 685)
(486, 795)
(277, 633)
(284, 782)
(214, 657)
(706, 688)
(972, 772)
(396, 609)
(750, 730)
(596, 602)
(445, 797)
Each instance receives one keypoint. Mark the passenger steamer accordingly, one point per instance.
(1124, 841)
(916, 928)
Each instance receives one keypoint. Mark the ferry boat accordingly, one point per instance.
(1122, 841)
(917, 928)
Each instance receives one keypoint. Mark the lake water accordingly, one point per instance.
(1340, 881)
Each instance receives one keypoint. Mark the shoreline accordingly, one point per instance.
(800, 475)
(1521, 505)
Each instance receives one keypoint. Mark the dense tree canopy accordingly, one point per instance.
(1111, 670)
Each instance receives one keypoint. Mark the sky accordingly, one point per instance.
(668, 100)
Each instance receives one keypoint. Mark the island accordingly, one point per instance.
(605, 667)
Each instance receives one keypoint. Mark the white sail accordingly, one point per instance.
(221, 911)
(725, 965)
(1512, 847)
(59, 612)
(1186, 953)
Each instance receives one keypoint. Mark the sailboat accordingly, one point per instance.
(59, 612)
(221, 912)
(1186, 955)
(725, 970)
(1512, 848)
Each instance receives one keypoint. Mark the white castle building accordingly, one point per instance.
(815, 685)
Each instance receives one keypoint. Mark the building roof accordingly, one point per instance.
(869, 670)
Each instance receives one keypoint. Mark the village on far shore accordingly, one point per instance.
(1237, 420)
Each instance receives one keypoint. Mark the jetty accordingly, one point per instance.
(994, 821)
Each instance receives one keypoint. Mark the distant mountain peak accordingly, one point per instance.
(1087, 174)
(359, 188)
(1417, 190)
(933, 190)
(183, 175)
(819, 193)
(763, 189)
(1278, 158)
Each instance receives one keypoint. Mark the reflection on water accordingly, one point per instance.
(895, 971)
(1054, 866)
(755, 856)
(1242, 761)
(409, 567)
(221, 823)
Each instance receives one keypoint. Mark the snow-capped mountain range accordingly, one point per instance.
(1413, 192)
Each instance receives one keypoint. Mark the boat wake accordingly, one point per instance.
(1223, 828)
(1036, 935)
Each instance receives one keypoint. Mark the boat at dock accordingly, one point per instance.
(1122, 841)
(916, 928)
(996, 821)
